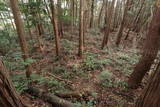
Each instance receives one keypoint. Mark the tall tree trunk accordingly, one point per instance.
(21, 34)
(38, 32)
(120, 32)
(38, 25)
(60, 18)
(117, 14)
(49, 13)
(92, 14)
(55, 27)
(85, 19)
(150, 96)
(29, 30)
(76, 11)
(135, 19)
(108, 22)
(47, 8)
(72, 14)
(28, 24)
(100, 13)
(38, 38)
(8, 95)
(151, 48)
(81, 36)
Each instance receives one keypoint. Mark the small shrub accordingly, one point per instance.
(55, 84)
(123, 56)
(106, 61)
(68, 75)
(51, 82)
(20, 82)
(68, 46)
(92, 62)
(63, 72)
(14, 60)
(75, 68)
(60, 70)
(127, 70)
(105, 78)
(124, 62)
(20, 86)
(94, 94)
(95, 31)
(120, 83)
(5, 41)
(90, 103)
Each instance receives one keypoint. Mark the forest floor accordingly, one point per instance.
(99, 78)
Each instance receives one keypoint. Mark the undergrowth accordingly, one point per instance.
(21, 83)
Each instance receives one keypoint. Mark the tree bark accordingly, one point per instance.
(120, 32)
(100, 13)
(108, 22)
(150, 96)
(21, 34)
(92, 14)
(135, 19)
(150, 51)
(116, 14)
(72, 14)
(8, 95)
(49, 97)
(60, 18)
(81, 30)
(55, 27)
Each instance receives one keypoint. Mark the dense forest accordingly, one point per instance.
(79, 53)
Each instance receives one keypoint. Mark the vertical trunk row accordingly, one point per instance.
(134, 23)
(48, 12)
(108, 22)
(117, 14)
(21, 34)
(120, 32)
(38, 32)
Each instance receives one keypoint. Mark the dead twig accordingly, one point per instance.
(60, 79)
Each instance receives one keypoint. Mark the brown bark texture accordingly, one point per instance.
(55, 27)
(49, 97)
(92, 14)
(150, 51)
(150, 96)
(120, 32)
(108, 22)
(8, 95)
(21, 33)
(81, 36)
